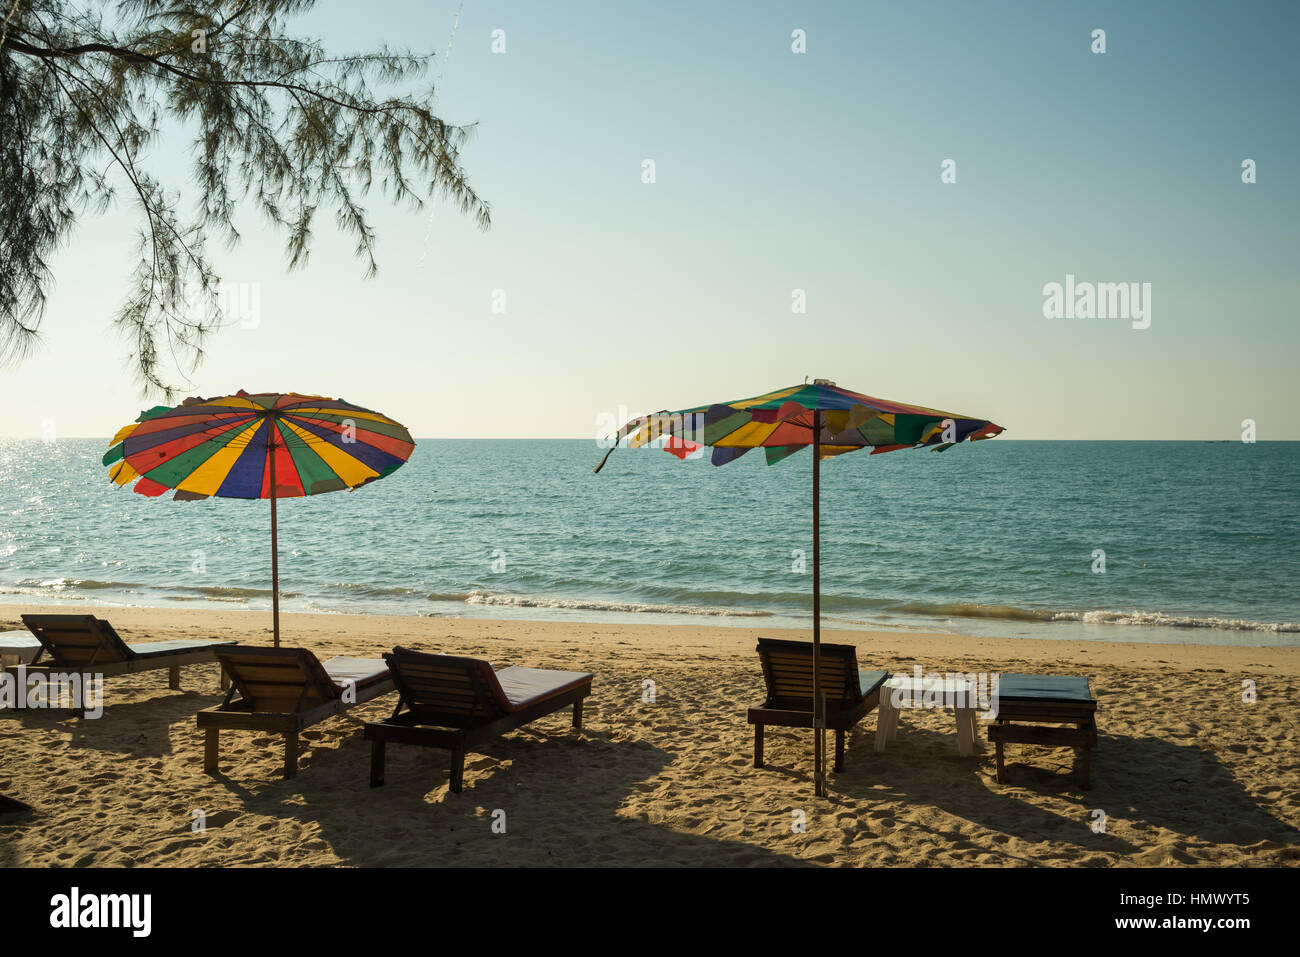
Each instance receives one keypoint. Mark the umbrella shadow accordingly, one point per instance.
(530, 799)
(1141, 781)
(13, 814)
(151, 721)
(922, 767)
(1183, 788)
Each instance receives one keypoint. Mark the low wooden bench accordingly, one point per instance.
(458, 703)
(284, 690)
(787, 669)
(1055, 711)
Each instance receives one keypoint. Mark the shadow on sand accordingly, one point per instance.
(137, 729)
(559, 797)
(1142, 782)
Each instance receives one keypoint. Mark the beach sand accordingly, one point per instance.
(1186, 772)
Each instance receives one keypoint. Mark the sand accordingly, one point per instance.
(1186, 772)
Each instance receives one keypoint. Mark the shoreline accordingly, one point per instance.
(136, 623)
(525, 609)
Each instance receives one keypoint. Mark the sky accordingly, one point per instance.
(776, 171)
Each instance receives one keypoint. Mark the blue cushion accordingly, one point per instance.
(1044, 687)
(871, 680)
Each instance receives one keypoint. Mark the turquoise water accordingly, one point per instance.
(1200, 539)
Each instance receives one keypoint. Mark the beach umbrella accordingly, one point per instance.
(832, 421)
(269, 445)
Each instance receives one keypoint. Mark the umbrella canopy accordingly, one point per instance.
(822, 415)
(781, 423)
(268, 445)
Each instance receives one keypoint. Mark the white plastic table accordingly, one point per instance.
(911, 692)
(18, 647)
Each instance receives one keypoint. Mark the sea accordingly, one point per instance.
(1194, 542)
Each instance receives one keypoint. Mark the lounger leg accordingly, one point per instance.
(377, 762)
(577, 714)
(291, 754)
(965, 737)
(758, 745)
(1002, 768)
(225, 679)
(174, 677)
(457, 769)
(86, 680)
(210, 744)
(1085, 761)
(839, 750)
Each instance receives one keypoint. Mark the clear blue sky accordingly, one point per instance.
(778, 171)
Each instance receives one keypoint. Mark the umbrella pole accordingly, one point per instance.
(275, 549)
(819, 706)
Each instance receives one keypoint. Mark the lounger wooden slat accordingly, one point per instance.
(1055, 711)
(458, 703)
(788, 672)
(90, 645)
(284, 690)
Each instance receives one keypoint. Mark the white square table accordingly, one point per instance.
(955, 693)
(18, 646)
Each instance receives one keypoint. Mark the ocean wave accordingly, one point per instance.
(864, 612)
(62, 586)
(228, 592)
(58, 584)
(1174, 621)
(963, 609)
(375, 591)
(596, 604)
(1096, 617)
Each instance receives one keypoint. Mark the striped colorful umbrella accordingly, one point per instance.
(268, 445)
(822, 415)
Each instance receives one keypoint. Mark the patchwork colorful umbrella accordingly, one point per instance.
(268, 445)
(822, 415)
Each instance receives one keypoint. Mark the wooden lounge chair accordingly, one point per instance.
(285, 690)
(787, 669)
(458, 703)
(89, 645)
(1057, 711)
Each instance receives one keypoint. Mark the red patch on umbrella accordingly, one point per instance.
(680, 447)
(287, 482)
(792, 411)
(147, 486)
(788, 433)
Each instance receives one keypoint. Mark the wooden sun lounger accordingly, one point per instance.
(466, 703)
(89, 645)
(787, 668)
(1056, 711)
(284, 690)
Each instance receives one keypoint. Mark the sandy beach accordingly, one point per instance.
(1186, 773)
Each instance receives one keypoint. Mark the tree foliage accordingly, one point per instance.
(275, 121)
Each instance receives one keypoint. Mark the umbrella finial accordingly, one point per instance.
(822, 382)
